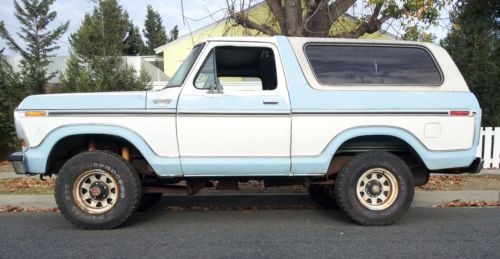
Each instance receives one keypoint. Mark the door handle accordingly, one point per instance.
(271, 102)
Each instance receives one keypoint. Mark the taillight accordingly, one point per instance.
(459, 113)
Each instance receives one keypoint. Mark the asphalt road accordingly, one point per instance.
(305, 233)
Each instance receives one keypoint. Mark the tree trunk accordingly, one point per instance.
(293, 16)
(316, 21)
(318, 24)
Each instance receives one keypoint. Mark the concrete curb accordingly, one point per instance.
(430, 198)
(272, 200)
(28, 201)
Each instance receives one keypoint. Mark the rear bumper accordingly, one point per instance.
(475, 167)
(18, 162)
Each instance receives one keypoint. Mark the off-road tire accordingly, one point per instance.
(128, 182)
(149, 200)
(346, 183)
(321, 196)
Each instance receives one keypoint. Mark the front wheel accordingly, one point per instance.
(97, 190)
(374, 188)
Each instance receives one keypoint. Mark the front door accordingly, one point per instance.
(234, 113)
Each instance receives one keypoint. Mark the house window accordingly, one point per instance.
(238, 69)
(372, 65)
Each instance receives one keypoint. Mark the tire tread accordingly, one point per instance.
(340, 188)
(120, 220)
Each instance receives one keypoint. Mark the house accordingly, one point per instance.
(175, 51)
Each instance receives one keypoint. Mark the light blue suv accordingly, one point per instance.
(359, 123)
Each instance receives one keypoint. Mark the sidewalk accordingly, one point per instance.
(489, 171)
(28, 201)
(423, 198)
(258, 200)
(9, 175)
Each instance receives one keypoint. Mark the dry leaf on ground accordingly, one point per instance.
(459, 203)
(17, 184)
(437, 182)
(9, 208)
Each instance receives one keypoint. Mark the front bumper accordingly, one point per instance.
(18, 162)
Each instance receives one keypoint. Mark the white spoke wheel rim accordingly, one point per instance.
(93, 182)
(377, 189)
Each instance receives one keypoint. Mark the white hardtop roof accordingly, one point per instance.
(272, 39)
(303, 40)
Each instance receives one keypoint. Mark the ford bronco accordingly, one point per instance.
(357, 122)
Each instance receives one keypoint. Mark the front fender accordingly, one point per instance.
(37, 157)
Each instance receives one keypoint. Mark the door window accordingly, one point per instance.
(238, 69)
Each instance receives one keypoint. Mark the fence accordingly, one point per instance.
(489, 147)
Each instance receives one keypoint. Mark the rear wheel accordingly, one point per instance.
(374, 188)
(97, 190)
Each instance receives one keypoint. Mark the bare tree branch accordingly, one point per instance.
(370, 26)
(279, 13)
(315, 18)
(339, 7)
(321, 14)
(310, 8)
(242, 19)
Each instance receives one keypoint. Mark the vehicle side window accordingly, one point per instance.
(239, 69)
(206, 76)
(241, 83)
(372, 65)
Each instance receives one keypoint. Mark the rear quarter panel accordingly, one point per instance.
(417, 114)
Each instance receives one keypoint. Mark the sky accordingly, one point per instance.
(197, 13)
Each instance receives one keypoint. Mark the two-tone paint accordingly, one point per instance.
(293, 130)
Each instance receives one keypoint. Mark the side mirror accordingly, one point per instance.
(216, 88)
(212, 88)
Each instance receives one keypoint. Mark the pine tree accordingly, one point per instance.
(474, 44)
(154, 31)
(11, 93)
(39, 42)
(97, 63)
(103, 32)
(174, 33)
(134, 44)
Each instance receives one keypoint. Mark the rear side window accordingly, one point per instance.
(372, 65)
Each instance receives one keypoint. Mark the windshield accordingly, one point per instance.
(181, 73)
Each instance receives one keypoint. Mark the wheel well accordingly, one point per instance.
(360, 144)
(69, 146)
